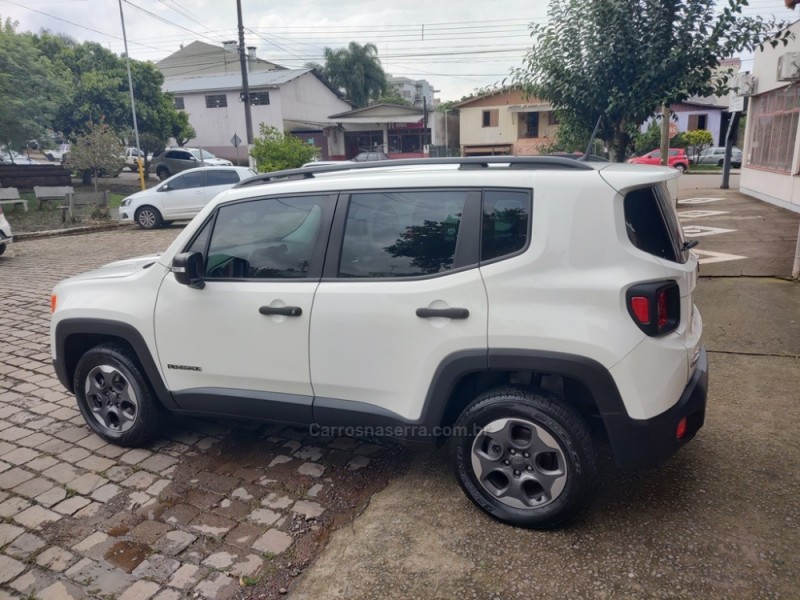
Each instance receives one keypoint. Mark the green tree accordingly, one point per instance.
(393, 97)
(97, 151)
(356, 70)
(30, 88)
(99, 88)
(182, 130)
(276, 151)
(623, 59)
(696, 141)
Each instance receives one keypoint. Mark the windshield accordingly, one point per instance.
(204, 154)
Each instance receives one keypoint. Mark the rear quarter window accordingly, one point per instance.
(652, 224)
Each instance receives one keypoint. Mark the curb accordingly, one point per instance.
(19, 237)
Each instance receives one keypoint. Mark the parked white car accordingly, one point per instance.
(5, 232)
(131, 157)
(181, 196)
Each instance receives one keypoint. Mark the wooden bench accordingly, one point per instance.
(44, 193)
(74, 200)
(11, 196)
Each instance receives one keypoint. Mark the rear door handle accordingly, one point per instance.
(447, 313)
(285, 311)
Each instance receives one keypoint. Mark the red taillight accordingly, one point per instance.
(662, 310)
(655, 306)
(53, 303)
(641, 309)
(680, 431)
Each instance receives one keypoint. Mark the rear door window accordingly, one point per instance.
(401, 234)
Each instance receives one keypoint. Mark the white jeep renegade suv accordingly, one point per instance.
(524, 307)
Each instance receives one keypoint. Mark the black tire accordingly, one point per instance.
(720, 163)
(561, 456)
(682, 167)
(736, 165)
(2, 249)
(115, 397)
(148, 217)
(162, 173)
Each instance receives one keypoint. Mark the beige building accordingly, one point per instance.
(505, 122)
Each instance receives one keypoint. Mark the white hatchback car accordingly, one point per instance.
(181, 196)
(5, 232)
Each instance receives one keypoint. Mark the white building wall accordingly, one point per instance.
(308, 99)
(782, 189)
(216, 126)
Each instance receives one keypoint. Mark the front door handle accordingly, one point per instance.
(447, 313)
(285, 311)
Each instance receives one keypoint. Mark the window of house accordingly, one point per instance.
(178, 102)
(491, 117)
(552, 118)
(774, 129)
(506, 222)
(697, 122)
(216, 101)
(259, 98)
(401, 234)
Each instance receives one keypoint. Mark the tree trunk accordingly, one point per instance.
(619, 143)
(665, 135)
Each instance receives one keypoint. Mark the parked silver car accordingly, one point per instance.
(175, 160)
(716, 156)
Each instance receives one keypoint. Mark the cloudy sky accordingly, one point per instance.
(458, 46)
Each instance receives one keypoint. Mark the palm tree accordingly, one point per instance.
(357, 71)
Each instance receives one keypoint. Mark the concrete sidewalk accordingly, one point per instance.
(738, 235)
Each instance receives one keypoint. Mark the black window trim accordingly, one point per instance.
(528, 238)
(467, 252)
(317, 255)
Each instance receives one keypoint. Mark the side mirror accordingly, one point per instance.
(188, 268)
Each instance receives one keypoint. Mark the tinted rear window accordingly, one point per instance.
(652, 224)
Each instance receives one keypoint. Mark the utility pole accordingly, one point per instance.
(446, 137)
(248, 117)
(133, 102)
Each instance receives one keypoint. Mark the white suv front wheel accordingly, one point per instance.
(524, 458)
(114, 396)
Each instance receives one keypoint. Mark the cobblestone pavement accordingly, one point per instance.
(213, 510)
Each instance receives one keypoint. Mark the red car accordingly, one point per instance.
(677, 159)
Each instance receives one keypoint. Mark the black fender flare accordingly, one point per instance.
(64, 365)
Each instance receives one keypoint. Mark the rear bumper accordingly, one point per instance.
(648, 442)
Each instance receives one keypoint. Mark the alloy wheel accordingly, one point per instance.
(111, 399)
(519, 463)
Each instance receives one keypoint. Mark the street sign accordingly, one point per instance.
(236, 140)
(673, 130)
(737, 103)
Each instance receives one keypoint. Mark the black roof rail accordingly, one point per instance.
(469, 162)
